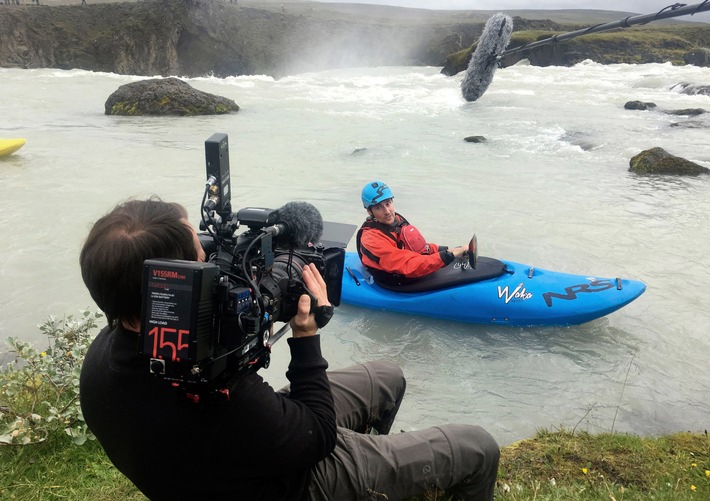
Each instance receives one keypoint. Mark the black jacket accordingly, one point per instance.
(258, 445)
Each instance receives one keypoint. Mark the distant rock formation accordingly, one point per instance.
(659, 161)
(652, 46)
(165, 96)
(193, 38)
(691, 89)
(698, 57)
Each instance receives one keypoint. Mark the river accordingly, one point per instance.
(550, 187)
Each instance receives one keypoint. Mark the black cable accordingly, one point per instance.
(698, 7)
(666, 12)
(675, 6)
(247, 274)
(208, 221)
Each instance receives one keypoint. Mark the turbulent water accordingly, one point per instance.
(549, 188)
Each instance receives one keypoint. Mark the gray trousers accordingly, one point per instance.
(459, 459)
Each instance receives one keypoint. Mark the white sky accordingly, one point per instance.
(635, 6)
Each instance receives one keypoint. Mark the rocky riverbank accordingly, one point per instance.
(199, 37)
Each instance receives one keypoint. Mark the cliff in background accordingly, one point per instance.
(676, 43)
(200, 37)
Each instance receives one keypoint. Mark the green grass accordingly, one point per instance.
(553, 465)
(563, 465)
(638, 45)
(59, 469)
(623, 46)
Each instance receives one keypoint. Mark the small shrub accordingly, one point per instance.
(39, 390)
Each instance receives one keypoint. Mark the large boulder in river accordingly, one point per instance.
(165, 96)
(659, 161)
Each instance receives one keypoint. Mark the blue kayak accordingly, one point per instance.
(495, 292)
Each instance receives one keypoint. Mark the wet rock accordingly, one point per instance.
(659, 161)
(690, 124)
(165, 97)
(580, 139)
(639, 105)
(475, 139)
(698, 57)
(691, 89)
(688, 112)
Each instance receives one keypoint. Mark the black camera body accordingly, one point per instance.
(203, 324)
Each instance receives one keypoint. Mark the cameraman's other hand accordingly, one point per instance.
(304, 323)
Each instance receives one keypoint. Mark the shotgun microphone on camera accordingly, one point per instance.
(297, 225)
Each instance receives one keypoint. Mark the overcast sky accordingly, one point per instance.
(635, 6)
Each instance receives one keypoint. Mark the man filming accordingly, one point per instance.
(324, 437)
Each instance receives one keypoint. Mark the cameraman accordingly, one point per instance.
(307, 441)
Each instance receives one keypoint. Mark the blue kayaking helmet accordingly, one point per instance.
(375, 192)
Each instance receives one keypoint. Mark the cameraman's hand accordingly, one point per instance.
(304, 323)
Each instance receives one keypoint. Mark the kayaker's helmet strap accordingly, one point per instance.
(375, 192)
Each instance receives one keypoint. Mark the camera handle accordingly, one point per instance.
(278, 335)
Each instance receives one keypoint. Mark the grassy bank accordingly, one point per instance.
(563, 465)
(639, 45)
(551, 466)
(47, 453)
(59, 469)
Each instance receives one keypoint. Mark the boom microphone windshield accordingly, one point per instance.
(479, 75)
(297, 225)
(498, 29)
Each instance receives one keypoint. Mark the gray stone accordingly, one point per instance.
(659, 161)
(165, 97)
(639, 105)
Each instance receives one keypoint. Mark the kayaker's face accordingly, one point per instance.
(383, 212)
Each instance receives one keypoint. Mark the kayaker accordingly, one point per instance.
(392, 249)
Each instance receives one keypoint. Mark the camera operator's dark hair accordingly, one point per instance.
(118, 243)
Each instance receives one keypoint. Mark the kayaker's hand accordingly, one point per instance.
(458, 252)
(304, 322)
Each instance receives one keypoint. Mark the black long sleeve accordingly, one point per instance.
(258, 445)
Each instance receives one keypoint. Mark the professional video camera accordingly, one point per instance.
(203, 324)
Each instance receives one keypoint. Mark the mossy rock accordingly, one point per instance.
(659, 161)
(165, 97)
